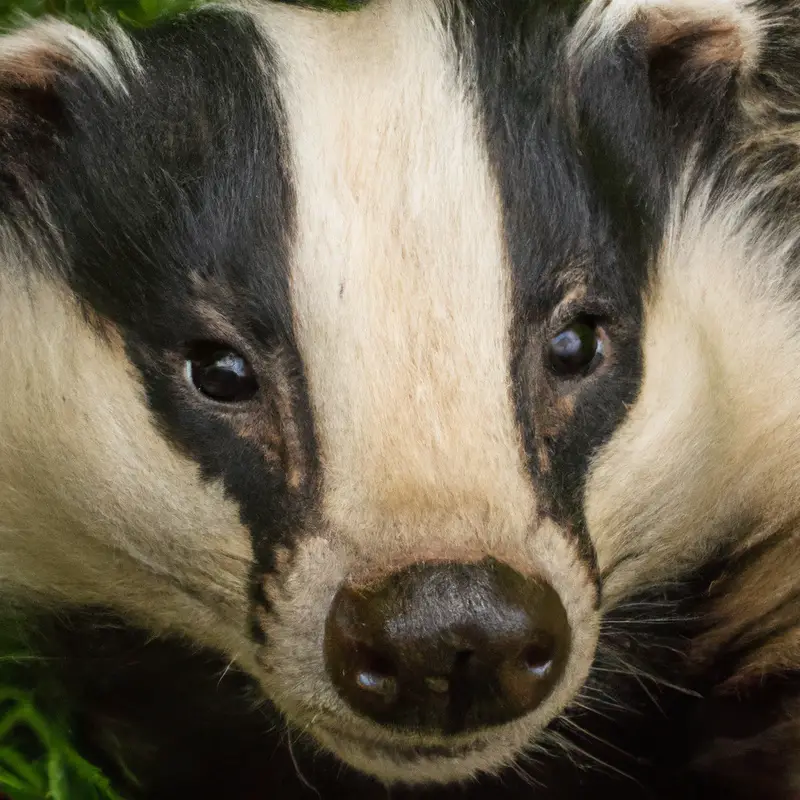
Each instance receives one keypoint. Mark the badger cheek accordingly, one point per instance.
(292, 621)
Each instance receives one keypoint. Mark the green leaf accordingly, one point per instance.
(17, 763)
(57, 777)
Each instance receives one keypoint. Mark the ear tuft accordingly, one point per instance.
(699, 44)
(34, 56)
(37, 63)
(650, 80)
(685, 57)
(703, 44)
(694, 34)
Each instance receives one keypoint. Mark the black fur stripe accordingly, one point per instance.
(561, 218)
(176, 206)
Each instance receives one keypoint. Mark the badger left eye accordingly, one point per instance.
(220, 373)
(576, 350)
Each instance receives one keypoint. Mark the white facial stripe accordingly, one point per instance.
(401, 293)
(400, 281)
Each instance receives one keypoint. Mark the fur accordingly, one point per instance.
(389, 213)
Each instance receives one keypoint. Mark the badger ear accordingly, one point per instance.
(701, 34)
(648, 78)
(32, 62)
(689, 54)
(37, 63)
(696, 52)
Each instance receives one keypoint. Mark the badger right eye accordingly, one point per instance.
(220, 373)
(576, 349)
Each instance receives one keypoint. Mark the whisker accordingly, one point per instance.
(227, 669)
(644, 621)
(641, 675)
(590, 709)
(565, 745)
(570, 745)
(297, 769)
(596, 694)
(583, 732)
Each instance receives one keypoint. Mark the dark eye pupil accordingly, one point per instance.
(574, 349)
(222, 375)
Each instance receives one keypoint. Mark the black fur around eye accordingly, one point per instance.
(576, 350)
(220, 373)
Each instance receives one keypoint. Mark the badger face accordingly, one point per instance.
(385, 352)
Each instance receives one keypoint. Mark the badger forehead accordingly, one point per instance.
(385, 212)
(406, 300)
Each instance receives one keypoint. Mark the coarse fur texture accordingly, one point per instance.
(389, 214)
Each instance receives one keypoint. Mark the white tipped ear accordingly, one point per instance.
(37, 63)
(33, 55)
(693, 35)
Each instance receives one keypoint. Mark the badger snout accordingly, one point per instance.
(447, 647)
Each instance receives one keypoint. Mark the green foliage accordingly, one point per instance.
(83, 12)
(133, 12)
(38, 758)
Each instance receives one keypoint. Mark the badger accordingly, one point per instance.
(406, 400)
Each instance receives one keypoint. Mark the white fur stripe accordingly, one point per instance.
(400, 280)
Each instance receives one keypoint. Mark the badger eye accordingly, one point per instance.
(576, 349)
(220, 373)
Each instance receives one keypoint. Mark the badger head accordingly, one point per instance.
(389, 352)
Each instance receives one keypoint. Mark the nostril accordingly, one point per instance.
(538, 656)
(463, 657)
(375, 674)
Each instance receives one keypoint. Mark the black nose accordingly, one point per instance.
(447, 647)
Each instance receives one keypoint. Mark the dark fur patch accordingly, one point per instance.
(176, 206)
(568, 225)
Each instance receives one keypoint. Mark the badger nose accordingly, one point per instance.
(447, 647)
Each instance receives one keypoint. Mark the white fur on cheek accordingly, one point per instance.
(713, 437)
(97, 507)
